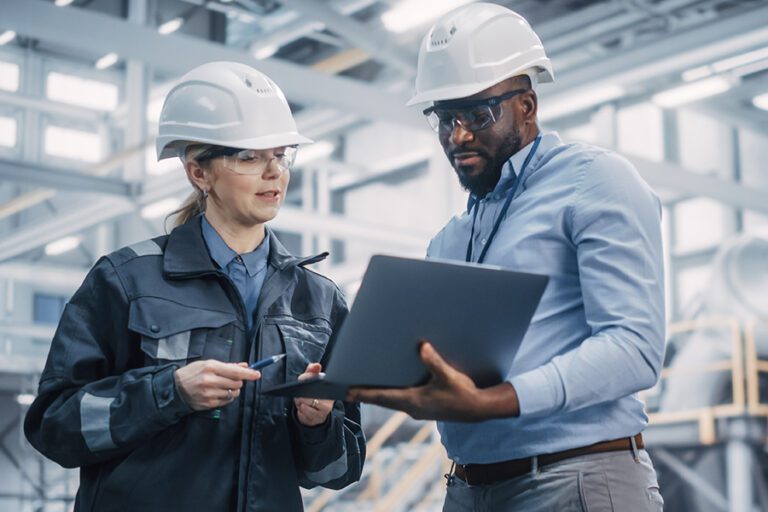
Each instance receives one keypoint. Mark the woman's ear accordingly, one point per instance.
(196, 175)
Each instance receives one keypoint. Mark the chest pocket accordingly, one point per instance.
(302, 342)
(172, 332)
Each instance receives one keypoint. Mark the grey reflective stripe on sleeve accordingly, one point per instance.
(94, 422)
(332, 471)
(174, 347)
(146, 248)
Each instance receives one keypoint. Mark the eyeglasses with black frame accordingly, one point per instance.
(472, 115)
(250, 161)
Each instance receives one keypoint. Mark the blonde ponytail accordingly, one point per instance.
(195, 203)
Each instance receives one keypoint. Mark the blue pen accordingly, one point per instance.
(258, 365)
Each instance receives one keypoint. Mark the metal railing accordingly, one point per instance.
(744, 366)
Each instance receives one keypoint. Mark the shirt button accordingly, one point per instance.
(483, 241)
(239, 259)
(154, 328)
(166, 394)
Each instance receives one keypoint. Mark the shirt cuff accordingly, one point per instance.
(540, 391)
(169, 402)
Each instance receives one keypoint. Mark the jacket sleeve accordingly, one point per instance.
(332, 454)
(94, 400)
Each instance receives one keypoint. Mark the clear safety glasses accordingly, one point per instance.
(252, 161)
(472, 115)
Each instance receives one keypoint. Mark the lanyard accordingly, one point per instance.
(504, 208)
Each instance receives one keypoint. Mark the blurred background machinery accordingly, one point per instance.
(679, 87)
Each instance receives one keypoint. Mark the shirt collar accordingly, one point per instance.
(511, 168)
(222, 254)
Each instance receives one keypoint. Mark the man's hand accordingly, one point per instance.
(311, 411)
(210, 384)
(448, 396)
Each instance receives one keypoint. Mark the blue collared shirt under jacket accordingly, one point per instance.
(584, 217)
(247, 271)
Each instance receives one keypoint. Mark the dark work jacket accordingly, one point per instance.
(108, 402)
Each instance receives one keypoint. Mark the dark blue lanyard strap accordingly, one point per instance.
(504, 208)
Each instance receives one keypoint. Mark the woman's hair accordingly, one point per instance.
(195, 203)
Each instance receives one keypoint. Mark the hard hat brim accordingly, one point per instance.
(172, 146)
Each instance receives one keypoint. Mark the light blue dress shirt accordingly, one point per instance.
(584, 217)
(247, 271)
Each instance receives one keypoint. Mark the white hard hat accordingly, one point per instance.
(474, 47)
(226, 104)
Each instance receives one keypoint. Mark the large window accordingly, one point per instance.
(9, 76)
(641, 131)
(73, 144)
(48, 308)
(699, 224)
(83, 92)
(7, 132)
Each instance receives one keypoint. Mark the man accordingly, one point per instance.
(565, 427)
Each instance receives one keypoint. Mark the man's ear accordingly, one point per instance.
(196, 175)
(529, 105)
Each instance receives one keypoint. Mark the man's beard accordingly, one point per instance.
(485, 181)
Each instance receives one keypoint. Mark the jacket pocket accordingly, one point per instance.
(303, 343)
(172, 332)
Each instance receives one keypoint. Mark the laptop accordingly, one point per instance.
(474, 315)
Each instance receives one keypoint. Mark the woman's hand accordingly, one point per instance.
(312, 411)
(210, 384)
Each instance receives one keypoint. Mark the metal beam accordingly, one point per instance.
(380, 46)
(702, 44)
(290, 219)
(52, 107)
(56, 276)
(63, 224)
(34, 331)
(670, 176)
(293, 26)
(690, 477)
(85, 30)
(52, 177)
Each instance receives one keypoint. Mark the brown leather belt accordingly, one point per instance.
(484, 474)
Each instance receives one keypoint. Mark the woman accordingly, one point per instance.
(147, 387)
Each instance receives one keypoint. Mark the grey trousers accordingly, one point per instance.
(603, 482)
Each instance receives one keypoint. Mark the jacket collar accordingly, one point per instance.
(187, 254)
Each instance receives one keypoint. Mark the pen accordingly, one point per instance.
(258, 365)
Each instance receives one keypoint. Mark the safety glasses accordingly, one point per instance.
(472, 115)
(251, 161)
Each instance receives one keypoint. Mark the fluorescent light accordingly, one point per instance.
(578, 100)
(728, 64)
(690, 92)
(160, 208)
(6, 37)
(107, 61)
(9, 76)
(265, 52)
(171, 26)
(25, 398)
(697, 73)
(761, 101)
(62, 245)
(409, 14)
(740, 60)
(63, 3)
(318, 150)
